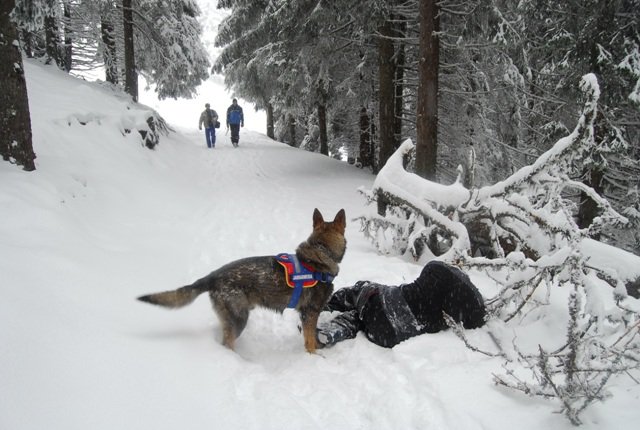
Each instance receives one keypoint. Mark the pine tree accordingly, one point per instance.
(130, 70)
(386, 91)
(296, 57)
(505, 89)
(160, 40)
(41, 24)
(427, 115)
(109, 45)
(550, 45)
(169, 52)
(15, 121)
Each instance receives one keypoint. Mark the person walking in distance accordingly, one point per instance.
(209, 118)
(235, 120)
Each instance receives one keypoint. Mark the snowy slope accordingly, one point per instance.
(103, 220)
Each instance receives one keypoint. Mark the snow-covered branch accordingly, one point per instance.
(526, 212)
(521, 232)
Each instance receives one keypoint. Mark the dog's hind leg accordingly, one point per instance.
(233, 312)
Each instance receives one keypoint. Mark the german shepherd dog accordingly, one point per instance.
(241, 285)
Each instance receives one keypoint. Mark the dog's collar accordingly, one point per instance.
(299, 275)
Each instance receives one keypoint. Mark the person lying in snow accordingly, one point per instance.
(390, 314)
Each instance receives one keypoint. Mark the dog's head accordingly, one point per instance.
(330, 234)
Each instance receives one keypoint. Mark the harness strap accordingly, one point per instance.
(298, 279)
(295, 296)
(298, 274)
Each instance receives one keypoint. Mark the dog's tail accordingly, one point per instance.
(175, 298)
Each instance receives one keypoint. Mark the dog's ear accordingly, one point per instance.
(317, 218)
(340, 220)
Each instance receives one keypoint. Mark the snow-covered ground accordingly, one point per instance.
(103, 220)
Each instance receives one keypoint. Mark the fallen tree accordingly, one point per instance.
(521, 232)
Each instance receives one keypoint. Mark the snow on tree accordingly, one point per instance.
(169, 51)
(549, 46)
(522, 233)
(160, 40)
(304, 61)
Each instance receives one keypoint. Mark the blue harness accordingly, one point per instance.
(299, 276)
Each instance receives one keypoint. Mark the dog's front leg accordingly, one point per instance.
(309, 322)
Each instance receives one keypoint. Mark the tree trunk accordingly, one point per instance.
(130, 72)
(322, 124)
(427, 112)
(375, 141)
(270, 127)
(400, 30)
(594, 177)
(365, 139)
(589, 209)
(109, 54)
(68, 38)
(27, 40)
(386, 77)
(52, 42)
(321, 97)
(292, 129)
(15, 121)
(468, 177)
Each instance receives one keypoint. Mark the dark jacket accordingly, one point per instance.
(390, 314)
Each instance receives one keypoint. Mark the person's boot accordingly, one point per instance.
(344, 326)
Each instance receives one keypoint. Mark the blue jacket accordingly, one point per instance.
(235, 115)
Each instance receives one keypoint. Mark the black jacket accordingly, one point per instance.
(390, 314)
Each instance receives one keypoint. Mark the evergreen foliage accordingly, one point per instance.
(168, 46)
(89, 34)
(298, 56)
(506, 84)
(160, 39)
